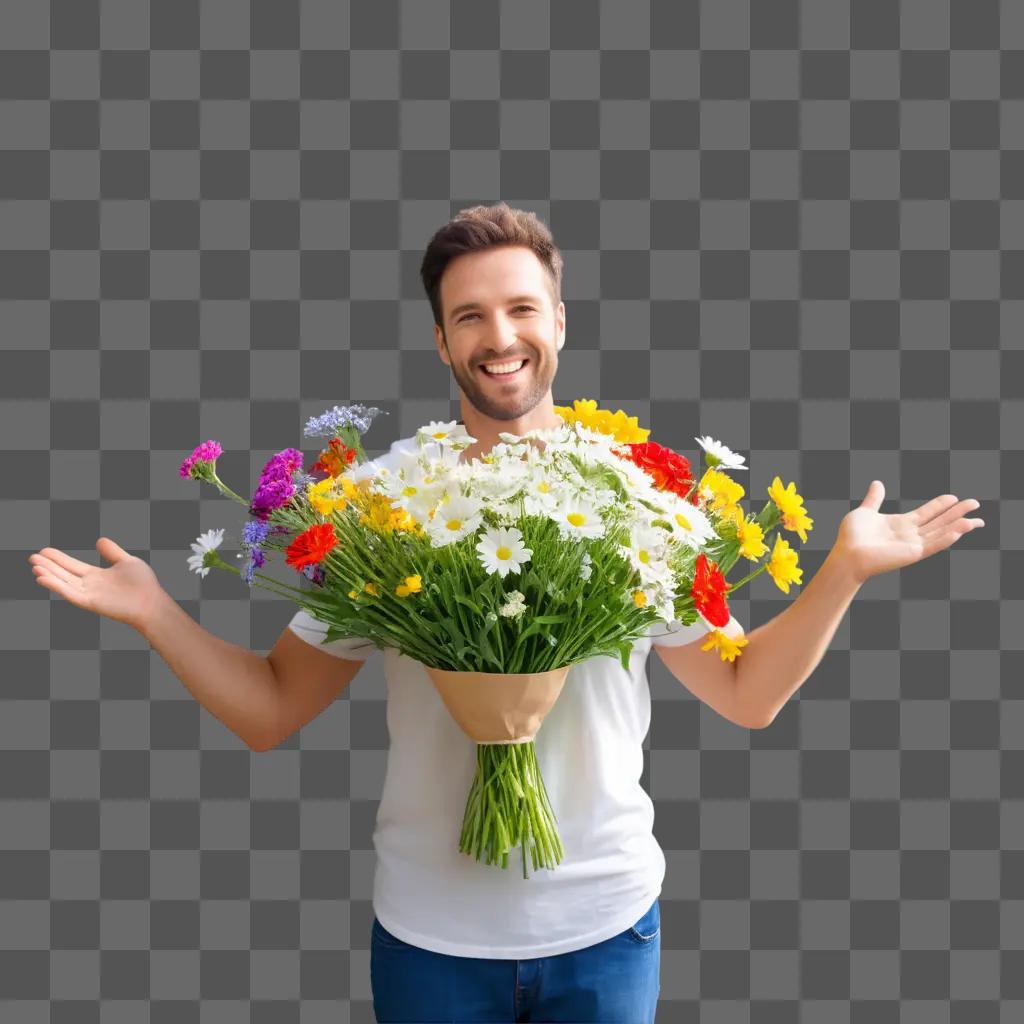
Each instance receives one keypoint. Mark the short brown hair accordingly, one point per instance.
(484, 227)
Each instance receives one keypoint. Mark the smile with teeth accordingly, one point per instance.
(509, 369)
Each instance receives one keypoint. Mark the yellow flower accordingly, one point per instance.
(623, 428)
(353, 594)
(791, 505)
(724, 490)
(412, 585)
(783, 565)
(371, 588)
(732, 514)
(639, 598)
(382, 518)
(751, 538)
(322, 497)
(403, 520)
(728, 648)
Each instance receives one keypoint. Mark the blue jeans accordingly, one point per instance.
(614, 980)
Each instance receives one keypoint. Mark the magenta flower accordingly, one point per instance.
(204, 455)
(276, 486)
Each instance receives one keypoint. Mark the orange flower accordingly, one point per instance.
(334, 458)
(311, 546)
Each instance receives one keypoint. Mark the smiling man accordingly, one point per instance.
(499, 325)
(453, 938)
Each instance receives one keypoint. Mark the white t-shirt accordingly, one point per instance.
(590, 753)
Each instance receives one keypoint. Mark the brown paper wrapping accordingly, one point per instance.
(499, 707)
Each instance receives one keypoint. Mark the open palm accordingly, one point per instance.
(872, 542)
(125, 591)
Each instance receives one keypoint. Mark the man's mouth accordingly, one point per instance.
(507, 370)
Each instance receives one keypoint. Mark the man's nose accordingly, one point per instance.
(504, 334)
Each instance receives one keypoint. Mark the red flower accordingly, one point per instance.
(709, 591)
(311, 546)
(669, 470)
(334, 458)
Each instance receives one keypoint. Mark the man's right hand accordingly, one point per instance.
(127, 591)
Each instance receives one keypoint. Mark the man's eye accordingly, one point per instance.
(468, 315)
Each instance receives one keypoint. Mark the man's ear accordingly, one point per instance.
(441, 347)
(560, 320)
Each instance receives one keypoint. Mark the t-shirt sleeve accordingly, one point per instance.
(675, 634)
(313, 631)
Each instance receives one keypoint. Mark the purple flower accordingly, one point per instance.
(276, 487)
(254, 533)
(330, 423)
(202, 459)
(314, 573)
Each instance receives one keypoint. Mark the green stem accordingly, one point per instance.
(746, 579)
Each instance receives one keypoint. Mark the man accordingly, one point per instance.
(454, 938)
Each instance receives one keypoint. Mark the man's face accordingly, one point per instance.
(497, 307)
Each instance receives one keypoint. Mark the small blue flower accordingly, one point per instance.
(327, 424)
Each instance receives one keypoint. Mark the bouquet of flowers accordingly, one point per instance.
(500, 573)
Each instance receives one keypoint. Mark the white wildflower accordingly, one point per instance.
(720, 454)
(453, 519)
(205, 542)
(514, 606)
(502, 551)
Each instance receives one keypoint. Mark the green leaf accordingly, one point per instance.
(488, 653)
(624, 652)
(462, 599)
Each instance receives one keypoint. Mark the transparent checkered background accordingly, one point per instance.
(795, 227)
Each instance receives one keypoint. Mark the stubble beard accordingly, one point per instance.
(517, 403)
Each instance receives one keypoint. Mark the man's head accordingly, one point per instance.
(493, 278)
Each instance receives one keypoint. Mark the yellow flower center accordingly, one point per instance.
(639, 598)
(683, 521)
(544, 487)
(644, 557)
(409, 491)
(503, 553)
(577, 518)
(439, 434)
(454, 524)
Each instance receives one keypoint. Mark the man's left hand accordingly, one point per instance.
(870, 542)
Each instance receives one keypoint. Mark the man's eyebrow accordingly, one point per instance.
(476, 305)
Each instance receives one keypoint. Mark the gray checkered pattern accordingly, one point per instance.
(795, 227)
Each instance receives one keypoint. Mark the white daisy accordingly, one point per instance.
(452, 520)
(690, 524)
(414, 489)
(541, 494)
(501, 550)
(719, 454)
(578, 518)
(646, 553)
(438, 430)
(209, 541)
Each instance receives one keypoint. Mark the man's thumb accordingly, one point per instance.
(111, 551)
(875, 495)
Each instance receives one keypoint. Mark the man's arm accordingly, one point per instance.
(308, 681)
(784, 651)
(705, 675)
